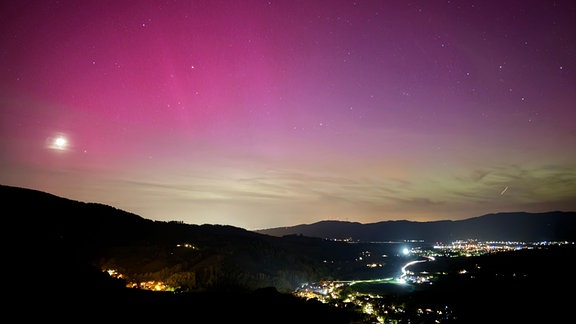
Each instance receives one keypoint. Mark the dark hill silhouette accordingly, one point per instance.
(520, 226)
(58, 248)
(94, 233)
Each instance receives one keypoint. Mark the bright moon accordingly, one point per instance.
(59, 143)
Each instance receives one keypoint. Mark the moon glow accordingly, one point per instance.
(59, 143)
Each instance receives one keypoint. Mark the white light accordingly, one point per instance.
(59, 143)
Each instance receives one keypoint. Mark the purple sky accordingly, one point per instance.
(262, 114)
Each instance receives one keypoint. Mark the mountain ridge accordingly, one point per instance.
(520, 226)
(60, 250)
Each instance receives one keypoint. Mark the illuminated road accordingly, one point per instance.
(405, 272)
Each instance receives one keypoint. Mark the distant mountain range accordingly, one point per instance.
(520, 226)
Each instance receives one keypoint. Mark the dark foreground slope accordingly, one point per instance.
(56, 250)
(526, 286)
(85, 304)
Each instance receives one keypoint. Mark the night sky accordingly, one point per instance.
(263, 114)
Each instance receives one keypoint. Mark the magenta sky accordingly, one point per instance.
(262, 114)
